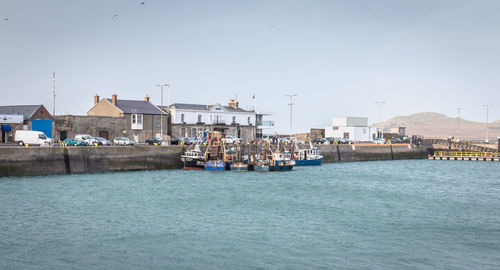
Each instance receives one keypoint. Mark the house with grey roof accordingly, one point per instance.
(142, 119)
(25, 117)
(231, 120)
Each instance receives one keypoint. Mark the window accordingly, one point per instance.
(234, 119)
(335, 128)
(193, 132)
(182, 118)
(136, 118)
(41, 136)
(364, 131)
(158, 121)
(249, 120)
(183, 132)
(199, 118)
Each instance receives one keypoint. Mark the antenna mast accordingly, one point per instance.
(54, 94)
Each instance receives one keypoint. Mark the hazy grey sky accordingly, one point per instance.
(339, 57)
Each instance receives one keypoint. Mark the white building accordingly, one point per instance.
(265, 126)
(230, 120)
(352, 128)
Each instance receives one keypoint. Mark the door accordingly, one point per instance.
(104, 134)
(63, 135)
(346, 135)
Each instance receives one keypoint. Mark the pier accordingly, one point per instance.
(465, 156)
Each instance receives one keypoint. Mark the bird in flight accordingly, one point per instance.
(116, 15)
(6, 19)
(142, 3)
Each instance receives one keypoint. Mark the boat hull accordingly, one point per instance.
(215, 166)
(193, 164)
(280, 168)
(261, 168)
(239, 167)
(309, 162)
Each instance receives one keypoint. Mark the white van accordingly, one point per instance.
(89, 139)
(23, 137)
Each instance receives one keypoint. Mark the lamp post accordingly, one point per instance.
(291, 105)
(487, 120)
(161, 115)
(380, 110)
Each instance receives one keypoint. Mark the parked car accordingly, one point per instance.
(319, 140)
(175, 141)
(379, 141)
(75, 142)
(89, 139)
(102, 141)
(23, 137)
(153, 141)
(123, 141)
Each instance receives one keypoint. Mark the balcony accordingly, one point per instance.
(266, 123)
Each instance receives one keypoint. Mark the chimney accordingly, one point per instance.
(233, 103)
(113, 99)
(146, 98)
(96, 99)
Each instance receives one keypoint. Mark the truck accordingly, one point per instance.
(23, 137)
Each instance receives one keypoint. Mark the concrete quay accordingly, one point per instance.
(21, 161)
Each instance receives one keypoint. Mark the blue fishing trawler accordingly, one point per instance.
(281, 161)
(309, 157)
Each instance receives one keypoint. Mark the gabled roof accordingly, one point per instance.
(25, 110)
(199, 107)
(137, 106)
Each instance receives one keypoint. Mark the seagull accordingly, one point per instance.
(116, 15)
(271, 26)
(142, 3)
(6, 19)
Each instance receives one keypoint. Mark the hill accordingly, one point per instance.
(431, 124)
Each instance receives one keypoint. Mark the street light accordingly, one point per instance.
(380, 110)
(487, 112)
(291, 105)
(161, 115)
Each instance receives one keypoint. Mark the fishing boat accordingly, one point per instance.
(281, 161)
(214, 155)
(307, 157)
(193, 159)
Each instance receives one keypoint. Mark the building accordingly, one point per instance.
(264, 125)
(25, 117)
(141, 117)
(352, 128)
(231, 120)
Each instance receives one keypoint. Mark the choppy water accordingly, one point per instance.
(370, 215)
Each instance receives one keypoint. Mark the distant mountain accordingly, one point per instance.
(431, 124)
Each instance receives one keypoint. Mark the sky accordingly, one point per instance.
(338, 57)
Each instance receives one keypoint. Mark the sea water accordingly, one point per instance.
(415, 214)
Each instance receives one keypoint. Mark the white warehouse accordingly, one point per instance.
(352, 128)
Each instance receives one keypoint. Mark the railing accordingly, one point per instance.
(465, 146)
(266, 123)
(467, 154)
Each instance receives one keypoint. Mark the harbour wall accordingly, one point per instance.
(21, 161)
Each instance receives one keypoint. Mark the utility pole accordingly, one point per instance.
(380, 110)
(487, 120)
(54, 94)
(458, 118)
(161, 115)
(291, 106)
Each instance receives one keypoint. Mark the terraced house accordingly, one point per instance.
(140, 119)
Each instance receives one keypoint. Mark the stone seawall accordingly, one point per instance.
(20, 161)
